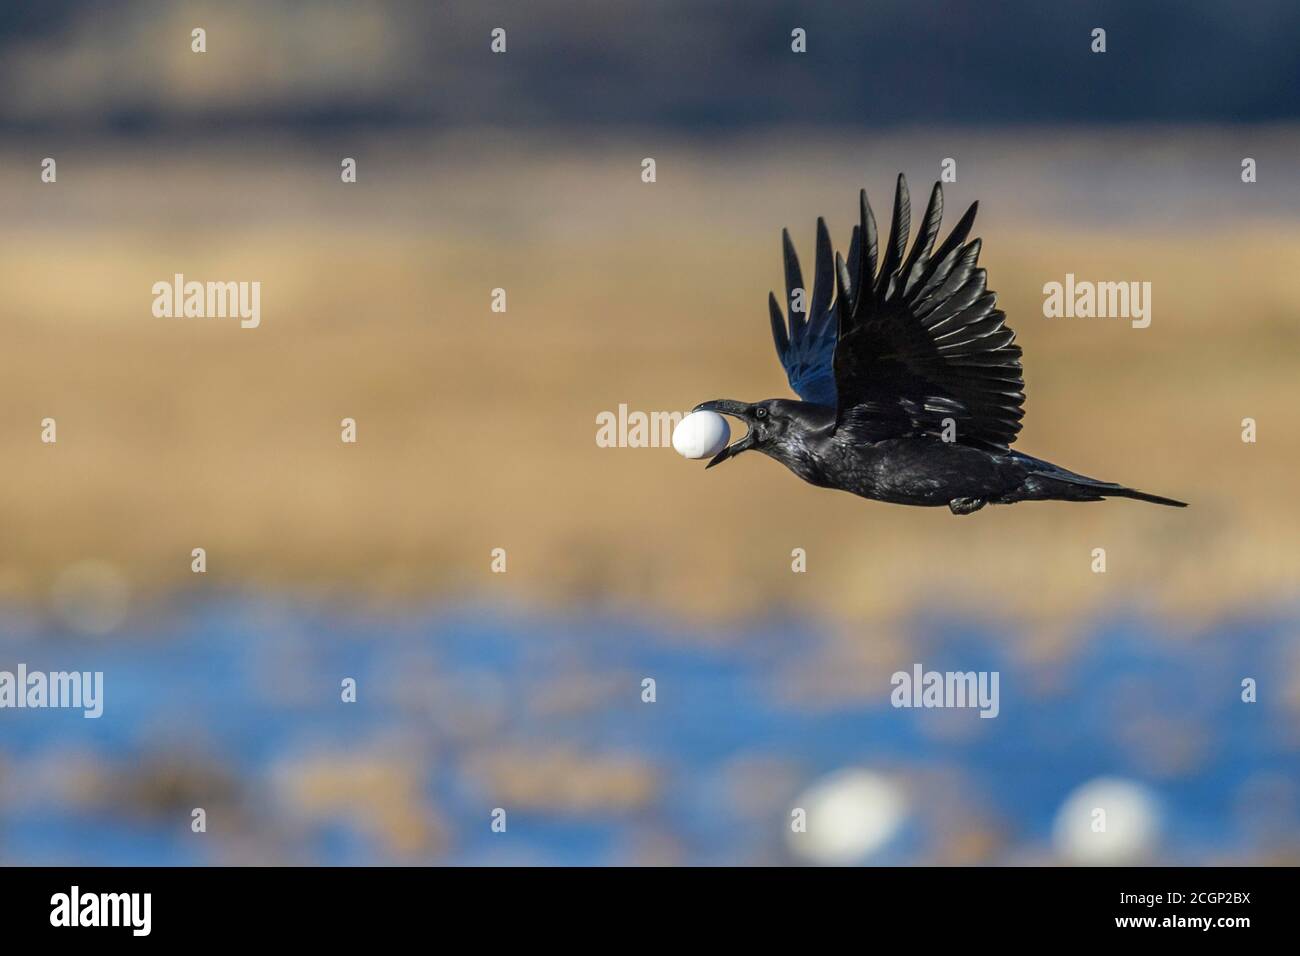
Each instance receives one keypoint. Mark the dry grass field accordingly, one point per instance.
(477, 430)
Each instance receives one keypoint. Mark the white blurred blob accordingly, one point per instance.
(1132, 823)
(90, 597)
(852, 814)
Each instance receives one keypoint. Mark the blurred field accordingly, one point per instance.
(477, 429)
(233, 706)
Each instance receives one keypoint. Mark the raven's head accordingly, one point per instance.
(768, 423)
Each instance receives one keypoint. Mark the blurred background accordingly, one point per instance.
(476, 430)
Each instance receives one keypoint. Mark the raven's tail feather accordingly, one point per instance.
(1143, 496)
(1053, 481)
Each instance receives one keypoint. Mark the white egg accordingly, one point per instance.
(701, 435)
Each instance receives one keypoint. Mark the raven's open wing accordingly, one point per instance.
(807, 347)
(921, 340)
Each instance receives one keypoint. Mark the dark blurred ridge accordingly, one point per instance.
(128, 66)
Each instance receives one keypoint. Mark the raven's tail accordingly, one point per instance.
(1122, 492)
(1046, 480)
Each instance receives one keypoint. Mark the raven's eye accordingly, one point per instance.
(760, 412)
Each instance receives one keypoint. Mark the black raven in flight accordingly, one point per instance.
(911, 381)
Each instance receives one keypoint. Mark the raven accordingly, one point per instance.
(910, 380)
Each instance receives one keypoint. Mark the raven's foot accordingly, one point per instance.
(966, 506)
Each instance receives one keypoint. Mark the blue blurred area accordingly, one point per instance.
(235, 706)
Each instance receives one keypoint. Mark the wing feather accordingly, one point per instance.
(900, 345)
(805, 344)
(922, 340)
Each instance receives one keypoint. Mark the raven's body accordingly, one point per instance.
(911, 379)
(921, 471)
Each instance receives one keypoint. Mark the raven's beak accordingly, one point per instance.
(731, 451)
(725, 406)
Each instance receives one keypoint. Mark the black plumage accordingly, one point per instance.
(911, 383)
